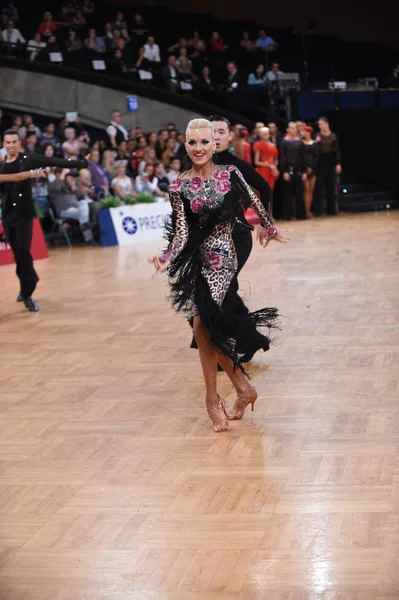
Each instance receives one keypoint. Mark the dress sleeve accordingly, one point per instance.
(180, 227)
(255, 203)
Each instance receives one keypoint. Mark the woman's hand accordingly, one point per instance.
(160, 265)
(263, 236)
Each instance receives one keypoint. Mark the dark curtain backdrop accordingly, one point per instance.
(369, 143)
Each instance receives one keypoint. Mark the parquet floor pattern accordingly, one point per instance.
(113, 485)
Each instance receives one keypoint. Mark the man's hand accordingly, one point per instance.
(286, 176)
(338, 169)
(261, 235)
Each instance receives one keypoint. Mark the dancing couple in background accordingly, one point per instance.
(208, 201)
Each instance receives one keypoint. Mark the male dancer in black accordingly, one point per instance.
(293, 166)
(242, 232)
(327, 168)
(18, 209)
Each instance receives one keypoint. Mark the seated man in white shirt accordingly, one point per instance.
(274, 72)
(152, 52)
(35, 46)
(11, 37)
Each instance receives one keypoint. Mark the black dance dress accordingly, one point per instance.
(203, 269)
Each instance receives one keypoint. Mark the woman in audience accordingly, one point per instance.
(79, 20)
(169, 151)
(152, 139)
(73, 43)
(174, 169)
(108, 163)
(160, 146)
(147, 182)
(71, 146)
(163, 181)
(121, 184)
(217, 42)
(98, 175)
(149, 156)
(246, 42)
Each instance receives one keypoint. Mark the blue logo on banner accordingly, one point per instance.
(129, 225)
(132, 104)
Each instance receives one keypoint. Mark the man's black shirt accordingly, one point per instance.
(17, 201)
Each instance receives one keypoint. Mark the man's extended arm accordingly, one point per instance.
(39, 160)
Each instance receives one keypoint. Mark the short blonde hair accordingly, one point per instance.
(264, 130)
(201, 124)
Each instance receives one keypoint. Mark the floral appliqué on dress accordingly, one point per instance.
(205, 193)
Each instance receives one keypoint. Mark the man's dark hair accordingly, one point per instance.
(220, 118)
(172, 158)
(162, 130)
(12, 132)
(324, 119)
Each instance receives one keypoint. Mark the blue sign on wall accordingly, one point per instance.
(132, 104)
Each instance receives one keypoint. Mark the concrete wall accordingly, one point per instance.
(53, 96)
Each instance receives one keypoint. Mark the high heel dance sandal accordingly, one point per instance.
(219, 426)
(241, 404)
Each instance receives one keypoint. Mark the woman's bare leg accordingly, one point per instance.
(208, 358)
(307, 197)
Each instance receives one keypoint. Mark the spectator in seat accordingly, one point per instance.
(169, 151)
(64, 18)
(143, 67)
(108, 163)
(259, 77)
(121, 154)
(63, 194)
(52, 45)
(246, 42)
(121, 183)
(205, 80)
(149, 157)
(160, 146)
(185, 75)
(115, 130)
(11, 11)
(12, 36)
(139, 31)
(79, 20)
(171, 75)
(35, 46)
(195, 40)
(265, 42)
(274, 73)
(181, 44)
(88, 7)
(118, 23)
(47, 26)
(109, 37)
(217, 42)
(163, 181)
(152, 139)
(24, 130)
(3, 21)
(94, 43)
(125, 32)
(71, 145)
(31, 143)
(151, 51)
(174, 168)
(17, 123)
(393, 79)
(199, 57)
(147, 182)
(40, 195)
(73, 43)
(235, 86)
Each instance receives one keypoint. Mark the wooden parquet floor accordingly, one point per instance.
(113, 485)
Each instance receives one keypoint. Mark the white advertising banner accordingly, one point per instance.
(139, 223)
